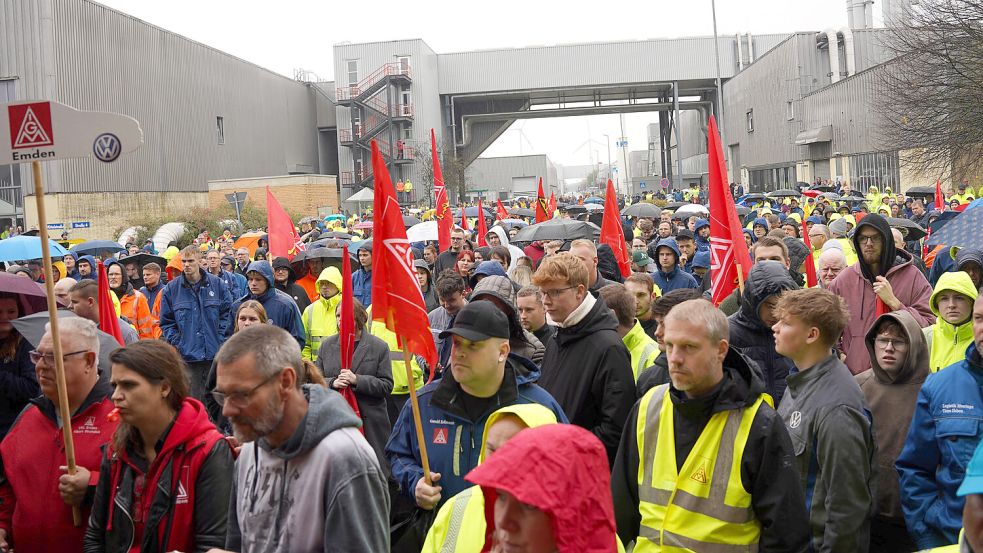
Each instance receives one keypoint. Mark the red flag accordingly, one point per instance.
(728, 251)
(939, 197)
(811, 277)
(445, 222)
(283, 237)
(542, 213)
(464, 218)
(396, 299)
(108, 320)
(500, 212)
(551, 206)
(881, 307)
(482, 226)
(612, 233)
(346, 333)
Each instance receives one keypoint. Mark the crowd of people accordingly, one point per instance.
(571, 407)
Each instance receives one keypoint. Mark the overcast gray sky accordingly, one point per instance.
(294, 34)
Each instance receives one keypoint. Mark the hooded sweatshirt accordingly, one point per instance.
(854, 285)
(92, 263)
(460, 523)
(947, 342)
(75, 272)
(754, 338)
(290, 287)
(280, 308)
(321, 490)
(319, 319)
(560, 469)
(891, 397)
(967, 256)
(675, 278)
(514, 252)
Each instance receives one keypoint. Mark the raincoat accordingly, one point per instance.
(281, 309)
(559, 469)
(675, 278)
(947, 342)
(643, 349)
(460, 523)
(319, 318)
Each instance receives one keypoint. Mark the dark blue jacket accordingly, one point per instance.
(676, 278)
(236, 283)
(91, 260)
(454, 441)
(944, 432)
(75, 272)
(702, 245)
(281, 309)
(195, 318)
(151, 293)
(362, 286)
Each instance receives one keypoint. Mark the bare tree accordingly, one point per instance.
(454, 169)
(933, 91)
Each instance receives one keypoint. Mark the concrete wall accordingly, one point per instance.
(300, 194)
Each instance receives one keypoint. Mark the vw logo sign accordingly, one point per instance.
(107, 147)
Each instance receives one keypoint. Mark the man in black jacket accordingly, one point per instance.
(587, 367)
(712, 414)
(285, 280)
(750, 327)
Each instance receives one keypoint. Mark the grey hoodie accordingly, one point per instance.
(322, 490)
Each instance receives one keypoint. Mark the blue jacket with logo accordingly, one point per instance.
(281, 309)
(236, 283)
(195, 318)
(944, 432)
(453, 440)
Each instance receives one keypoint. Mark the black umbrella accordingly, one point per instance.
(909, 229)
(784, 193)
(742, 211)
(942, 220)
(142, 258)
(754, 198)
(854, 193)
(522, 212)
(575, 209)
(558, 229)
(472, 211)
(962, 231)
(675, 205)
(331, 256)
(831, 196)
(95, 247)
(822, 188)
(921, 191)
(642, 209)
(409, 221)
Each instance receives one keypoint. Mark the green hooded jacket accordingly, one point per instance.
(947, 343)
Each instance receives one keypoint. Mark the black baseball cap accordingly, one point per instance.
(685, 234)
(478, 321)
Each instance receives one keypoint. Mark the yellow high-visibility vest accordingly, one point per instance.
(704, 506)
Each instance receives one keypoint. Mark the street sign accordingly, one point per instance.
(664, 183)
(237, 200)
(641, 184)
(56, 226)
(45, 130)
(81, 224)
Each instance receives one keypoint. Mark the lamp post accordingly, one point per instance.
(608, 139)
(716, 54)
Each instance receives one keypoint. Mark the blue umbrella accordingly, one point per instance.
(95, 247)
(20, 248)
(962, 231)
(594, 200)
(472, 211)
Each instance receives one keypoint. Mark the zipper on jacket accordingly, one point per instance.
(120, 506)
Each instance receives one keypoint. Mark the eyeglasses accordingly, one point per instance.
(883, 343)
(553, 294)
(242, 398)
(870, 238)
(49, 358)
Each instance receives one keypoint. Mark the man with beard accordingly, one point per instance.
(291, 434)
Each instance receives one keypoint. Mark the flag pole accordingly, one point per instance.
(740, 277)
(49, 285)
(415, 405)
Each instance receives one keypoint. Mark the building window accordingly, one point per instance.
(404, 64)
(880, 169)
(750, 120)
(789, 110)
(352, 71)
(220, 128)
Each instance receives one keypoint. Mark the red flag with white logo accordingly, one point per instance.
(728, 251)
(442, 209)
(500, 212)
(551, 205)
(542, 213)
(612, 233)
(396, 299)
(346, 331)
(283, 237)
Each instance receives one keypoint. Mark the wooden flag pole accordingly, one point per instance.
(49, 285)
(415, 404)
(740, 277)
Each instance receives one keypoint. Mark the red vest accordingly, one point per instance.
(31, 509)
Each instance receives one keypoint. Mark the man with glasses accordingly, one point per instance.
(35, 509)
(587, 367)
(305, 477)
(883, 279)
(448, 259)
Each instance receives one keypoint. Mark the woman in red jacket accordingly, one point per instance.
(167, 473)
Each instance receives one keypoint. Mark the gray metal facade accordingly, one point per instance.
(95, 58)
(497, 175)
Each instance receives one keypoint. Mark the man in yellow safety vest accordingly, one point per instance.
(704, 463)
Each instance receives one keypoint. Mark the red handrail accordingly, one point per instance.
(387, 69)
